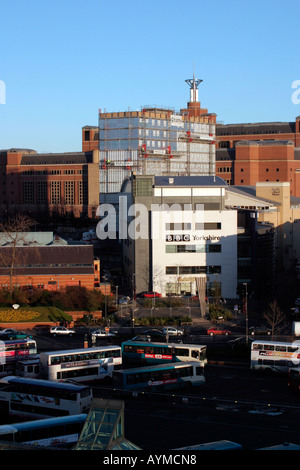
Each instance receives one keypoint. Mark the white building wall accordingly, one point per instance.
(196, 238)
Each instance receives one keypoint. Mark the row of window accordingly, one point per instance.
(198, 226)
(37, 192)
(54, 172)
(211, 248)
(193, 270)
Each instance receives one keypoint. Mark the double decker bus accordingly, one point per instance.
(35, 398)
(156, 353)
(274, 356)
(160, 377)
(14, 350)
(80, 365)
(62, 431)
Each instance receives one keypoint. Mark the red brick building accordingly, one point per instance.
(49, 267)
(48, 183)
(250, 153)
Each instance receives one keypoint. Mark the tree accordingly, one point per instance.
(14, 235)
(275, 318)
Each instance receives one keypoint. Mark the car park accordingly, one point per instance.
(61, 330)
(150, 295)
(102, 333)
(172, 331)
(218, 331)
(259, 330)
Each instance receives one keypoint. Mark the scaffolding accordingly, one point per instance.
(155, 141)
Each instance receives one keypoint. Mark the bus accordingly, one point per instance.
(61, 431)
(80, 365)
(275, 356)
(157, 353)
(11, 351)
(160, 377)
(35, 398)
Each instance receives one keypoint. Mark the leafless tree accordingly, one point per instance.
(13, 236)
(275, 318)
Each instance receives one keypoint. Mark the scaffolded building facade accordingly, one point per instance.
(155, 141)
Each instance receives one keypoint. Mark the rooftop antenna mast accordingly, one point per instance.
(193, 84)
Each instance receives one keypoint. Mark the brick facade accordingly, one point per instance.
(49, 183)
(251, 153)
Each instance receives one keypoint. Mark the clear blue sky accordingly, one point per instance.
(62, 60)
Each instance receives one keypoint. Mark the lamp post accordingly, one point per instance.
(105, 300)
(246, 309)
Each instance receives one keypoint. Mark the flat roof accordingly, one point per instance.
(189, 181)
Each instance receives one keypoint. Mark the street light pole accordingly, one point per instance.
(246, 309)
(105, 301)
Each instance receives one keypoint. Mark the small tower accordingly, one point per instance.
(193, 84)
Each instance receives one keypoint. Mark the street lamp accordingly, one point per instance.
(105, 300)
(246, 309)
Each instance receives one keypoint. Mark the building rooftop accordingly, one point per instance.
(51, 259)
(189, 181)
(57, 158)
(255, 128)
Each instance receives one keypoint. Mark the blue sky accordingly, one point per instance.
(63, 60)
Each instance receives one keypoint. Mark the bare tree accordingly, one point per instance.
(14, 235)
(275, 318)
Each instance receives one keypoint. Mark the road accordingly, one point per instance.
(236, 404)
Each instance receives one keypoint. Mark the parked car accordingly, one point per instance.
(140, 294)
(172, 331)
(61, 330)
(259, 330)
(7, 331)
(150, 294)
(218, 331)
(102, 333)
(124, 300)
(141, 338)
(155, 335)
(10, 333)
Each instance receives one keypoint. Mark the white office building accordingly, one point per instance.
(184, 236)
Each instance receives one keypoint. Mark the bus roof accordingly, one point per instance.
(284, 343)
(42, 383)
(169, 365)
(19, 341)
(6, 429)
(78, 351)
(43, 423)
(215, 445)
(171, 345)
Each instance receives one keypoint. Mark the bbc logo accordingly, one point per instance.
(178, 238)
